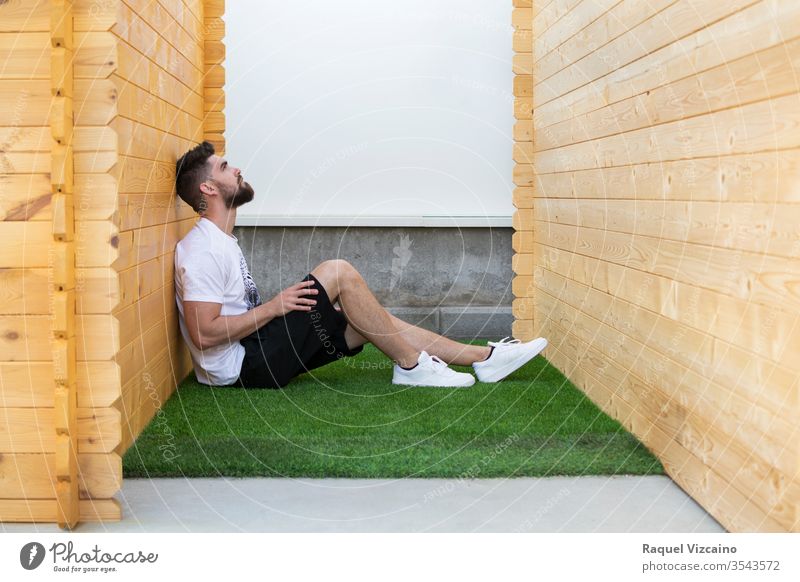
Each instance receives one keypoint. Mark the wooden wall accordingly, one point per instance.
(144, 85)
(658, 232)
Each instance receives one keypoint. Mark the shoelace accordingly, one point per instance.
(503, 342)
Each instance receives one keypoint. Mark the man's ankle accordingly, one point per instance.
(410, 363)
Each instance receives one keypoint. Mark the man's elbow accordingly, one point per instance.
(202, 342)
(206, 344)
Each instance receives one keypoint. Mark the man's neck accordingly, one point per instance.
(225, 221)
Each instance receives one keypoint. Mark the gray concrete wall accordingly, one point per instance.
(456, 281)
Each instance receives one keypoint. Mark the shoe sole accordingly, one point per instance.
(513, 366)
(434, 385)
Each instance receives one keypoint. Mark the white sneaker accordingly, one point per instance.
(431, 371)
(507, 357)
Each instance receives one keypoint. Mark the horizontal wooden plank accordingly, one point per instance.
(692, 420)
(694, 357)
(100, 336)
(136, 175)
(148, 310)
(25, 16)
(757, 127)
(214, 29)
(27, 244)
(139, 66)
(522, 41)
(522, 263)
(136, 355)
(25, 55)
(30, 475)
(25, 291)
(195, 9)
(26, 162)
(549, 13)
(523, 174)
(746, 32)
(140, 70)
(749, 276)
(522, 197)
(523, 108)
(575, 44)
(763, 75)
(522, 131)
(760, 228)
(144, 394)
(677, 20)
(140, 106)
(215, 76)
(31, 430)
(214, 8)
(758, 178)
(214, 52)
(144, 278)
(139, 34)
(147, 243)
(142, 141)
(574, 22)
(30, 384)
(97, 162)
(95, 101)
(95, 55)
(28, 337)
(768, 331)
(735, 510)
(105, 243)
(26, 139)
(214, 99)
(522, 18)
(24, 105)
(150, 209)
(27, 197)
(523, 85)
(169, 29)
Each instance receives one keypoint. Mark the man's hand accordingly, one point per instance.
(293, 298)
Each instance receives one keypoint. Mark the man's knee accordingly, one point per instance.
(341, 268)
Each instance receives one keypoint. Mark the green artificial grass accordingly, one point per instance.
(347, 419)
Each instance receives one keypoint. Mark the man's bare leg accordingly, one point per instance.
(448, 350)
(343, 283)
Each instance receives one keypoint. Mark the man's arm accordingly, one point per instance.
(208, 328)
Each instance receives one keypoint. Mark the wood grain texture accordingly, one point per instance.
(97, 102)
(656, 234)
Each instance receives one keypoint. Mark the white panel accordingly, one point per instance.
(383, 111)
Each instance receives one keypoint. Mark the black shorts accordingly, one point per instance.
(294, 343)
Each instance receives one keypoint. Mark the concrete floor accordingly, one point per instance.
(555, 504)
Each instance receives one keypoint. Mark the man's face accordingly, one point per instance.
(228, 179)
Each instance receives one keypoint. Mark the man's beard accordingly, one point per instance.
(244, 193)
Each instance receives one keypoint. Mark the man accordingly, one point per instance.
(236, 340)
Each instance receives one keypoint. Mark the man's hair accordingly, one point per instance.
(191, 171)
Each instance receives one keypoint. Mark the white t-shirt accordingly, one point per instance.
(210, 266)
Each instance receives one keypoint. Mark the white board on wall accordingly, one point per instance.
(376, 113)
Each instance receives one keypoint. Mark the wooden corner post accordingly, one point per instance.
(63, 266)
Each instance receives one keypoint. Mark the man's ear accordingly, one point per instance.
(206, 188)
